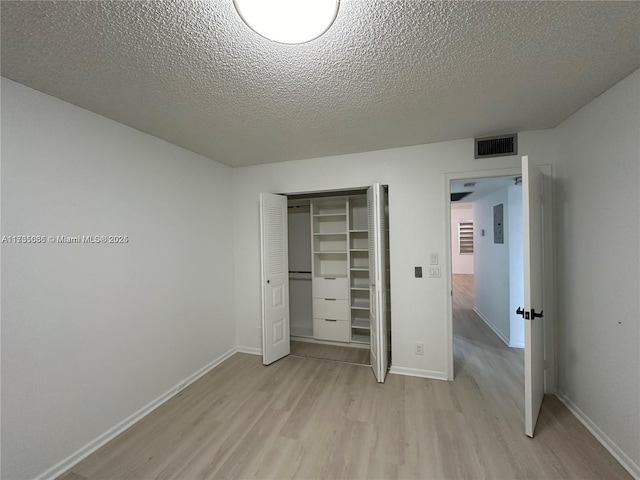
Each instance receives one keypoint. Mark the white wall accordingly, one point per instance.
(415, 176)
(491, 265)
(460, 212)
(499, 268)
(92, 333)
(598, 270)
(516, 265)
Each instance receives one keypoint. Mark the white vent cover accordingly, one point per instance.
(499, 146)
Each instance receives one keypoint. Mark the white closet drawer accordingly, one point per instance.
(330, 287)
(334, 330)
(331, 309)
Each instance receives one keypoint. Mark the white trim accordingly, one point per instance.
(73, 459)
(417, 372)
(492, 327)
(249, 350)
(516, 345)
(629, 465)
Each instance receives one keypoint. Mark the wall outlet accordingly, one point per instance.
(419, 348)
(418, 272)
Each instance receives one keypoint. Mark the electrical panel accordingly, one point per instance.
(498, 224)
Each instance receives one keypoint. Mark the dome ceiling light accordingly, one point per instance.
(288, 21)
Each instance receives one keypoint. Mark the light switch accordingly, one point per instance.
(434, 272)
(433, 259)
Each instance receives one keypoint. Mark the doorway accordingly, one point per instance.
(487, 252)
(487, 277)
(537, 234)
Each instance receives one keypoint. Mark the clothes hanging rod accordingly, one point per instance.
(299, 271)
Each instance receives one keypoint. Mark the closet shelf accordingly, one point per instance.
(361, 324)
(359, 249)
(328, 215)
(331, 275)
(362, 302)
(329, 234)
(358, 338)
(320, 252)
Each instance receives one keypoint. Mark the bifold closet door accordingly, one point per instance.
(377, 280)
(275, 277)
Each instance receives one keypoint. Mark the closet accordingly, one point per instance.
(329, 269)
(325, 272)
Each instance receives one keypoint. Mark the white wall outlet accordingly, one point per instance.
(419, 348)
(434, 272)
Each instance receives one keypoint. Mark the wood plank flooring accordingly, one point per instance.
(306, 418)
(336, 353)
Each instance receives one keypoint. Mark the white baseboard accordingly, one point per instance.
(417, 372)
(623, 458)
(490, 325)
(66, 464)
(249, 350)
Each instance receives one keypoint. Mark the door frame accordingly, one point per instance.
(550, 335)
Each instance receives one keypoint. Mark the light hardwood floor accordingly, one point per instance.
(336, 353)
(307, 418)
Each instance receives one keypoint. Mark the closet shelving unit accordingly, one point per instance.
(340, 269)
(329, 230)
(329, 238)
(359, 269)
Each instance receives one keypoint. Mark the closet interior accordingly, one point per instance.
(329, 269)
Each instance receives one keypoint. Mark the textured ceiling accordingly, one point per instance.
(388, 73)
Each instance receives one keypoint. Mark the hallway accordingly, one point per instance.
(479, 353)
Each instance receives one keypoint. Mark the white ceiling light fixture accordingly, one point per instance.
(288, 21)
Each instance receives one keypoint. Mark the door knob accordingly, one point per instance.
(537, 315)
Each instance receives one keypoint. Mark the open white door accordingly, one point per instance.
(275, 277)
(377, 280)
(532, 182)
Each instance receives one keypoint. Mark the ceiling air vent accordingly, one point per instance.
(500, 146)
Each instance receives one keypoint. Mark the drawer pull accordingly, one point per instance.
(329, 278)
(330, 299)
(330, 320)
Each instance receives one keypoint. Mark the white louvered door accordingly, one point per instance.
(377, 280)
(275, 277)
